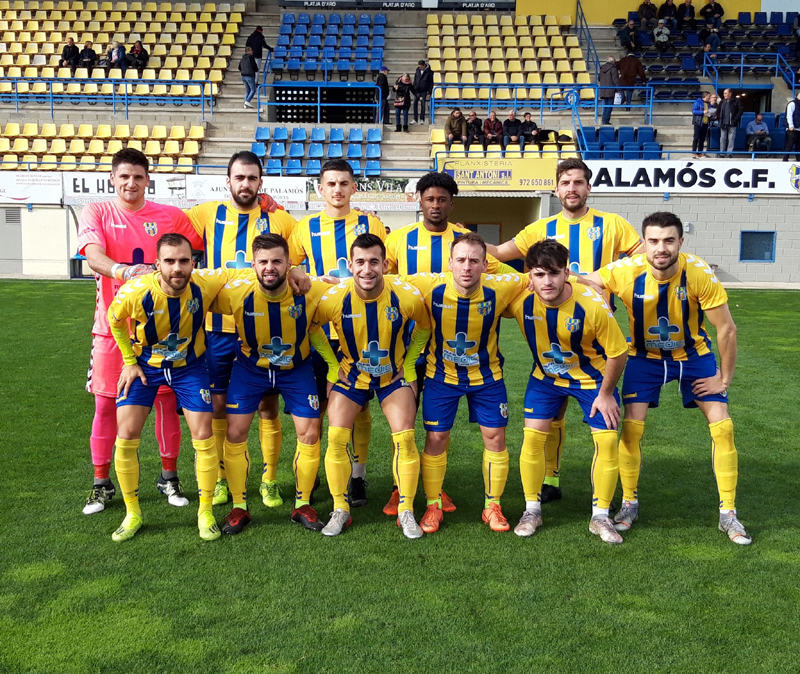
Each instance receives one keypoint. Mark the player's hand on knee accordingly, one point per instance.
(709, 385)
(299, 282)
(606, 405)
(129, 374)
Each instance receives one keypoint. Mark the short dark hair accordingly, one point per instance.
(248, 158)
(269, 241)
(456, 109)
(368, 241)
(470, 237)
(172, 239)
(549, 255)
(130, 156)
(434, 179)
(336, 165)
(421, 62)
(663, 219)
(570, 165)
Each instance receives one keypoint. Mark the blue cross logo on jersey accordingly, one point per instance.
(664, 330)
(485, 308)
(193, 305)
(680, 293)
(392, 314)
(262, 225)
(575, 268)
(274, 351)
(461, 344)
(573, 324)
(555, 354)
(360, 229)
(151, 228)
(239, 261)
(296, 310)
(170, 347)
(341, 270)
(374, 353)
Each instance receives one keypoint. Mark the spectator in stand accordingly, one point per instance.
(88, 56)
(530, 132)
(492, 131)
(403, 89)
(138, 56)
(729, 113)
(648, 16)
(608, 81)
(661, 37)
(685, 16)
(796, 30)
(710, 35)
(629, 69)
(423, 86)
(512, 132)
(474, 130)
(116, 57)
(382, 82)
(758, 134)
(69, 55)
(712, 12)
(700, 123)
(248, 68)
(669, 12)
(257, 42)
(699, 57)
(629, 37)
(455, 128)
(793, 132)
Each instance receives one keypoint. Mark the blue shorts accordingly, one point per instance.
(644, 378)
(488, 404)
(249, 385)
(543, 400)
(363, 395)
(321, 370)
(190, 383)
(220, 354)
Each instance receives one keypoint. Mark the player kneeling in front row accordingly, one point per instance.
(369, 313)
(578, 352)
(273, 357)
(167, 308)
(667, 294)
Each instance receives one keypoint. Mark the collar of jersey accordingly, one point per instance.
(232, 206)
(452, 283)
(156, 284)
(269, 298)
(421, 225)
(574, 220)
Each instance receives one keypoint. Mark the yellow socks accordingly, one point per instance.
(495, 475)
(270, 434)
(205, 465)
(532, 463)
(219, 428)
(405, 468)
(337, 465)
(552, 452)
(237, 461)
(361, 432)
(433, 470)
(725, 460)
(126, 463)
(306, 467)
(630, 458)
(605, 470)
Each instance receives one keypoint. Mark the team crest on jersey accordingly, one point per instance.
(193, 305)
(313, 402)
(392, 314)
(594, 233)
(794, 177)
(296, 310)
(504, 410)
(680, 293)
(573, 324)
(485, 308)
(206, 395)
(262, 225)
(360, 229)
(151, 228)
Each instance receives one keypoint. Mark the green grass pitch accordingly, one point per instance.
(676, 597)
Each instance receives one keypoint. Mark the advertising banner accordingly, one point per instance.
(29, 187)
(288, 192)
(512, 175)
(374, 194)
(86, 187)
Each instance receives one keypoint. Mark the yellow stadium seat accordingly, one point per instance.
(177, 132)
(549, 151)
(437, 135)
(30, 130)
(20, 146)
(572, 41)
(556, 41)
(496, 54)
(39, 146)
(68, 163)
(490, 20)
(466, 65)
(114, 145)
(457, 151)
(509, 41)
(446, 20)
(12, 130)
(105, 163)
(462, 30)
(552, 31)
(565, 21)
(152, 148)
(522, 32)
(165, 164)
(478, 32)
(96, 146)
(10, 162)
(447, 30)
(481, 53)
(76, 146)
(172, 148)
(191, 148)
(520, 20)
(461, 20)
(30, 162)
(465, 53)
(196, 132)
(87, 163)
(103, 131)
(432, 19)
(550, 20)
(506, 20)
(525, 42)
(537, 31)
(575, 54)
(579, 66)
(563, 67)
(450, 65)
(449, 53)
(122, 131)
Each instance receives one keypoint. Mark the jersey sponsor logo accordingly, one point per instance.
(594, 233)
(351, 315)
(528, 317)
(205, 394)
(232, 406)
(442, 306)
(559, 365)
(295, 311)
(360, 229)
(313, 402)
(430, 423)
(485, 308)
(392, 314)
(642, 297)
(253, 313)
(217, 221)
(239, 261)
(320, 233)
(504, 410)
(374, 354)
(663, 331)
(459, 355)
(630, 395)
(170, 347)
(573, 324)
(274, 351)
(193, 305)
(262, 225)
(680, 293)
(114, 225)
(418, 248)
(557, 237)
(151, 228)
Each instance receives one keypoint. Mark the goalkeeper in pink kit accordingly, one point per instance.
(119, 238)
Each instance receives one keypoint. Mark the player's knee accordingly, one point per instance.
(268, 408)
(308, 434)
(436, 443)
(494, 439)
(218, 403)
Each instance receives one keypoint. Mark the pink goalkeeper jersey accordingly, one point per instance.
(129, 237)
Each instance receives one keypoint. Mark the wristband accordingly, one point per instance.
(118, 266)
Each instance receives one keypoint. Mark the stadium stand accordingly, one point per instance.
(559, 143)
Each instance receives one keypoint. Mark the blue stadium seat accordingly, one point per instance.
(316, 31)
(634, 16)
(332, 29)
(354, 151)
(373, 151)
(630, 151)
(283, 41)
(651, 151)
(313, 167)
(363, 30)
(317, 135)
(611, 151)
(713, 138)
(312, 52)
(314, 41)
(293, 167)
(299, 41)
(760, 19)
(380, 20)
(274, 167)
(605, 134)
(315, 151)
(330, 41)
(349, 19)
(362, 41)
(336, 135)
(347, 29)
(360, 69)
(364, 20)
(625, 134)
(373, 168)
(693, 41)
(345, 54)
(645, 134)
(262, 133)
(784, 30)
(374, 136)
(379, 31)
(740, 142)
(356, 166)
(769, 119)
(277, 150)
(343, 68)
(296, 150)
(589, 133)
(334, 151)
(747, 117)
(285, 29)
(379, 41)
(288, 18)
(355, 135)
(346, 42)
(318, 19)
(745, 19)
(375, 66)
(303, 17)
(301, 29)
(776, 18)
(334, 18)
(280, 133)
(592, 151)
(790, 17)
(689, 65)
(258, 149)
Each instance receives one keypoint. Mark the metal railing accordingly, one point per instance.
(263, 97)
(326, 59)
(23, 90)
(585, 37)
(740, 62)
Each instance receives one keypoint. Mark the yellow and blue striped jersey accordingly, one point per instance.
(570, 343)
(273, 331)
(463, 348)
(167, 331)
(666, 317)
(228, 235)
(414, 249)
(371, 346)
(594, 240)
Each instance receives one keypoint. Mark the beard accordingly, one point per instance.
(272, 284)
(244, 202)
